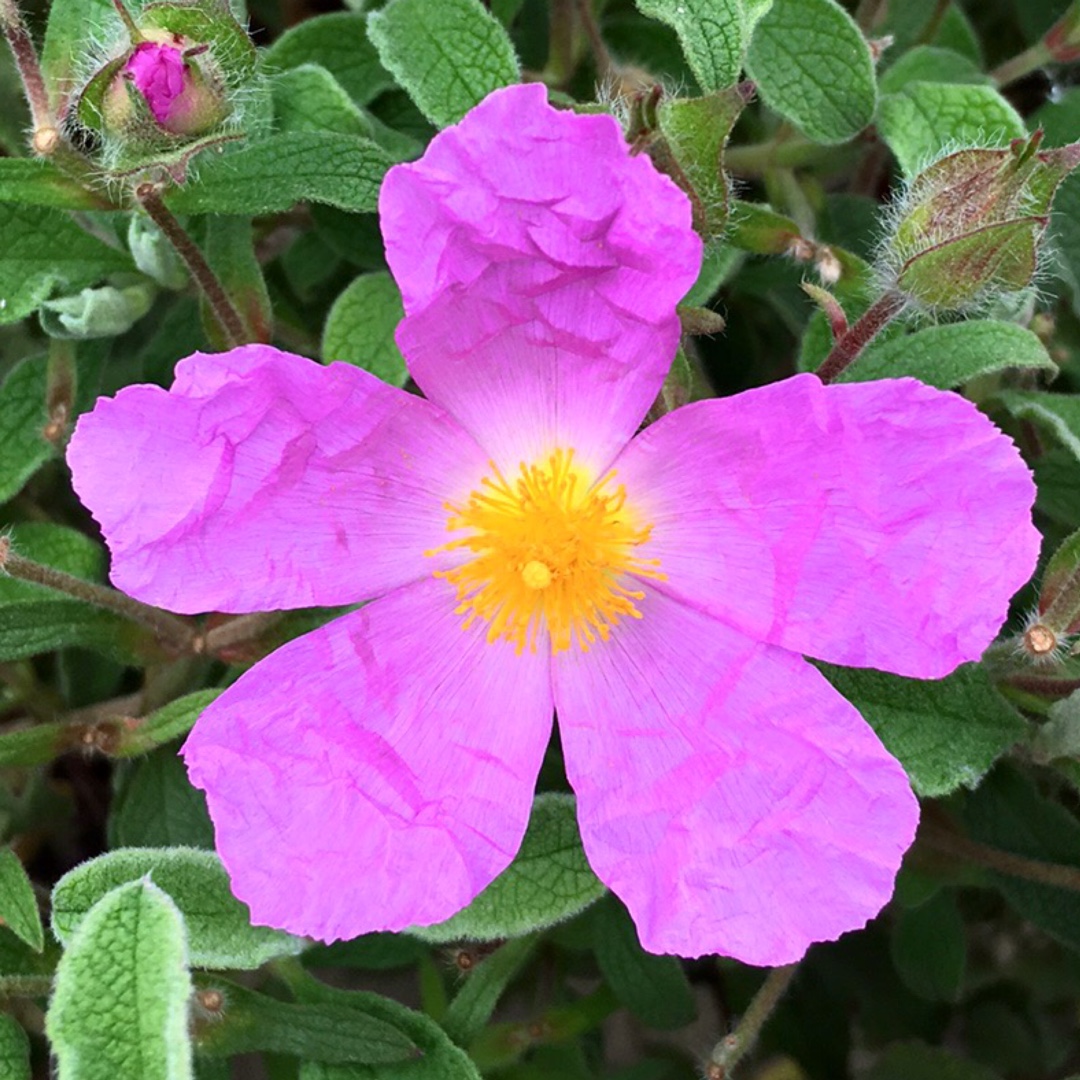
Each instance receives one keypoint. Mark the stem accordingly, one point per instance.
(561, 40)
(952, 843)
(605, 66)
(60, 382)
(232, 326)
(26, 60)
(730, 1050)
(869, 14)
(844, 352)
(237, 631)
(1022, 64)
(934, 23)
(169, 629)
(754, 159)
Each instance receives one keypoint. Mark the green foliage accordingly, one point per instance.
(23, 417)
(926, 118)
(360, 328)
(18, 905)
(929, 948)
(714, 36)
(219, 929)
(448, 54)
(953, 353)
(548, 881)
(119, 1009)
(1056, 414)
(945, 733)
(904, 1061)
(14, 1050)
(478, 995)
(37, 183)
(813, 66)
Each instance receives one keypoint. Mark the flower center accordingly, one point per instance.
(548, 549)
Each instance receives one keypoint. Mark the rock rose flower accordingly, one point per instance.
(530, 555)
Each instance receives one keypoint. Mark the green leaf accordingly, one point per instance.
(929, 949)
(219, 927)
(654, 988)
(1059, 737)
(164, 724)
(119, 1010)
(1061, 121)
(329, 1032)
(447, 54)
(946, 733)
(42, 250)
(713, 35)
(37, 183)
(759, 229)
(271, 175)
(695, 131)
(339, 42)
(927, 63)
(1057, 414)
(72, 25)
(474, 1003)
(441, 1059)
(917, 1061)
(18, 906)
(360, 328)
(549, 881)
(928, 117)
(813, 66)
(14, 1050)
(951, 354)
(34, 619)
(23, 416)
(1007, 812)
(156, 806)
(230, 251)
(309, 98)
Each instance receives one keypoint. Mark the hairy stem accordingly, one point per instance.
(169, 629)
(847, 349)
(232, 325)
(869, 13)
(1022, 64)
(754, 159)
(26, 61)
(605, 66)
(730, 1050)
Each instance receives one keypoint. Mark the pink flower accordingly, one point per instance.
(159, 73)
(530, 555)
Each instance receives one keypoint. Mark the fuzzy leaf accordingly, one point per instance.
(654, 988)
(360, 328)
(309, 98)
(156, 806)
(14, 1050)
(120, 1005)
(42, 250)
(73, 23)
(549, 881)
(713, 35)
(1058, 414)
(329, 1032)
(447, 54)
(219, 927)
(953, 353)
(23, 416)
(929, 949)
(339, 42)
(927, 117)
(271, 175)
(37, 183)
(812, 65)
(230, 251)
(483, 986)
(945, 733)
(1007, 812)
(169, 722)
(927, 63)
(18, 907)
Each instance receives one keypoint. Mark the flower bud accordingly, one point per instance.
(105, 311)
(1062, 40)
(971, 223)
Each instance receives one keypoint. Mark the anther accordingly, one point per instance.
(536, 575)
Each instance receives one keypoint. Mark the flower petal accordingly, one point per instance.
(880, 524)
(263, 480)
(733, 800)
(376, 773)
(540, 304)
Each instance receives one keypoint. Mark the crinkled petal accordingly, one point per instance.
(881, 524)
(726, 793)
(524, 278)
(262, 480)
(523, 387)
(376, 773)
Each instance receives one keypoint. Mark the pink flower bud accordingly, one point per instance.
(174, 88)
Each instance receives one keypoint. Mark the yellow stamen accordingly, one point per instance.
(551, 550)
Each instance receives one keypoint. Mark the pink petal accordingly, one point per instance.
(522, 387)
(540, 302)
(263, 480)
(160, 74)
(726, 793)
(376, 773)
(880, 524)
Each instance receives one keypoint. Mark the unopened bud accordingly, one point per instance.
(95, 313)
(45, 141)
(1059, 597)
(1062, 40)
(1040, 642)
(971, 223)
